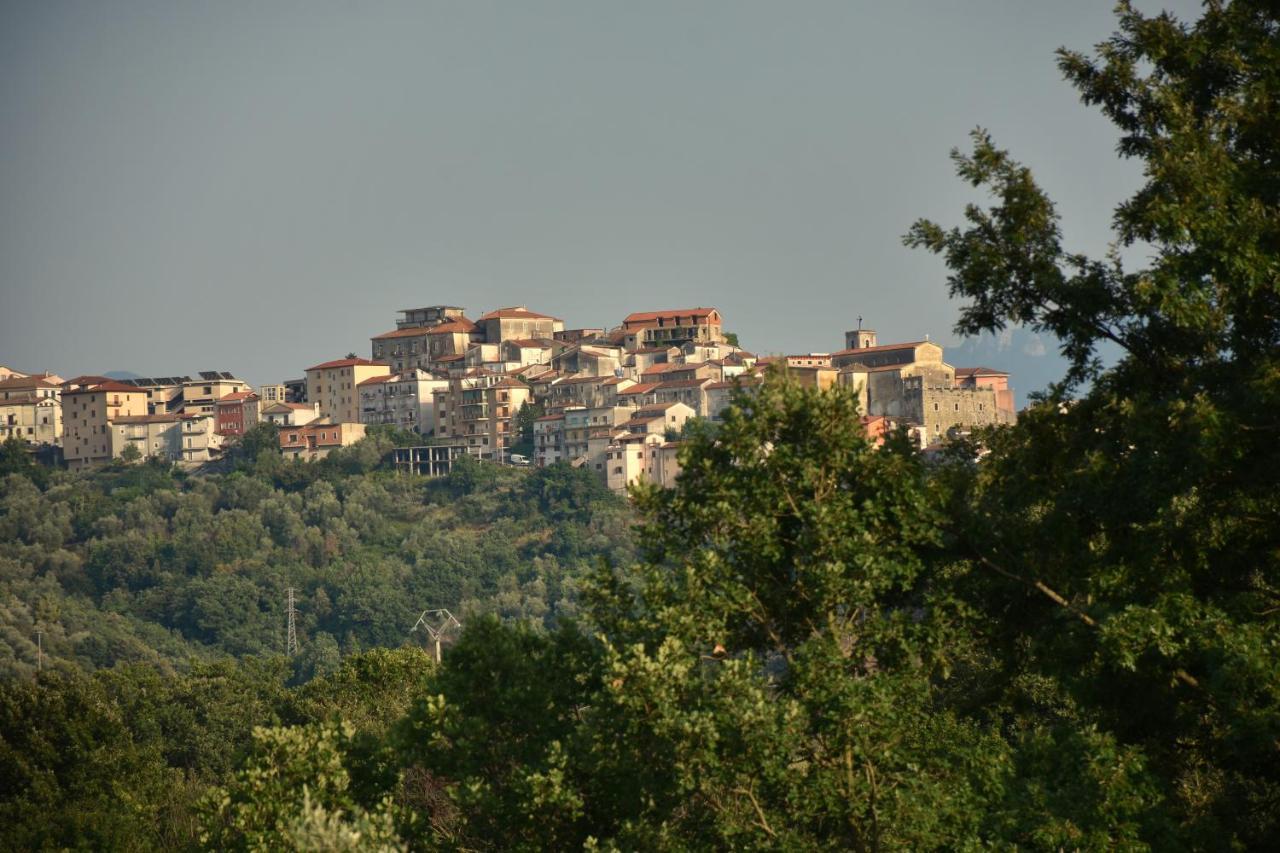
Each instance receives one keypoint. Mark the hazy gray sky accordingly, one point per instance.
(259, 186)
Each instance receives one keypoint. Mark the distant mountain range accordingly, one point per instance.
(1031, 359)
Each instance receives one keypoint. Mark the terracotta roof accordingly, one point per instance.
(348, 362)
(960, 371)
(376, 380)
(441, 358)
(109, 385)
(21, 383)
(515, 312)
(458, 325)
(529, 343)
(645, 316)
(402, 333)
(642, 388)
(885, 348)
(237, 397)
(550, 418)
(509, 383)
(87, 379)
(666, 367)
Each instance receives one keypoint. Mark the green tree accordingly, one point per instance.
(1124, 546)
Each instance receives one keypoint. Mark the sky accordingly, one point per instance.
(260, 186)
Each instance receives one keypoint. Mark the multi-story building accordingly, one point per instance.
(200, 395)
(405, 400)
(89, 406)
(482, 414)
(433, 315)
(164, 393)
(992, 380)
(548, 440)
(403, 349)
(316, 441)
(672, 328)
(335, 386)
(276, 393)
(201, 442)
(236, 413)
(290, 414)
(152, 436)
(31, 409)
(517, 323)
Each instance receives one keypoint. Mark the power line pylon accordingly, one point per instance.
(291, 642)
(437, 623)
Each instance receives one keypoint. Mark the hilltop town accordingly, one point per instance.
(512, 386)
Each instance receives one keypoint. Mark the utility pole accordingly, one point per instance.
(291, 642)
(39, 651)
(438, 623)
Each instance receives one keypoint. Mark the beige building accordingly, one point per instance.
(403, 349)
(316, 441)
(290, 414)
(201, 442)
(200, 395)
(517, 323)
(31, 409)
(276, 393)
(480, 412)
(89, 406)
(405, 400)
(672, 328)
(152, 436)
(334, 386)
(548, 440)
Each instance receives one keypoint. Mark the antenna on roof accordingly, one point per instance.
(859, 322)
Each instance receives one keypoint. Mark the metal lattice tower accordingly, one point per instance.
(291, 642)
(438, 623)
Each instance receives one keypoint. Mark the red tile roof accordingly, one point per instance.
(237, 397)
(646, 316)
(109, 385)
(348, 362)
(515, 312)
(975, 371)
(642, 388)
(459, 326)
(885, 348)
(402, 333)
(375, 380)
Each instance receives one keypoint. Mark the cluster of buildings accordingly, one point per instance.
(614, 401)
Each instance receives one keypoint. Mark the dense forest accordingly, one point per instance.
(1057, 635)
(141, 563)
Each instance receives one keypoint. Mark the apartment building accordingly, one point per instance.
(405, 400)
(403, 349)
(201, 441)
(31, 409)
(480, 412)
(237, 413)
(152, 436)
(334, 386)
(517, 323)
(290, 414)
(276, 393)
(316, 441)
(548, 440)
(89, 406)
(200, 395)
(668, 328)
